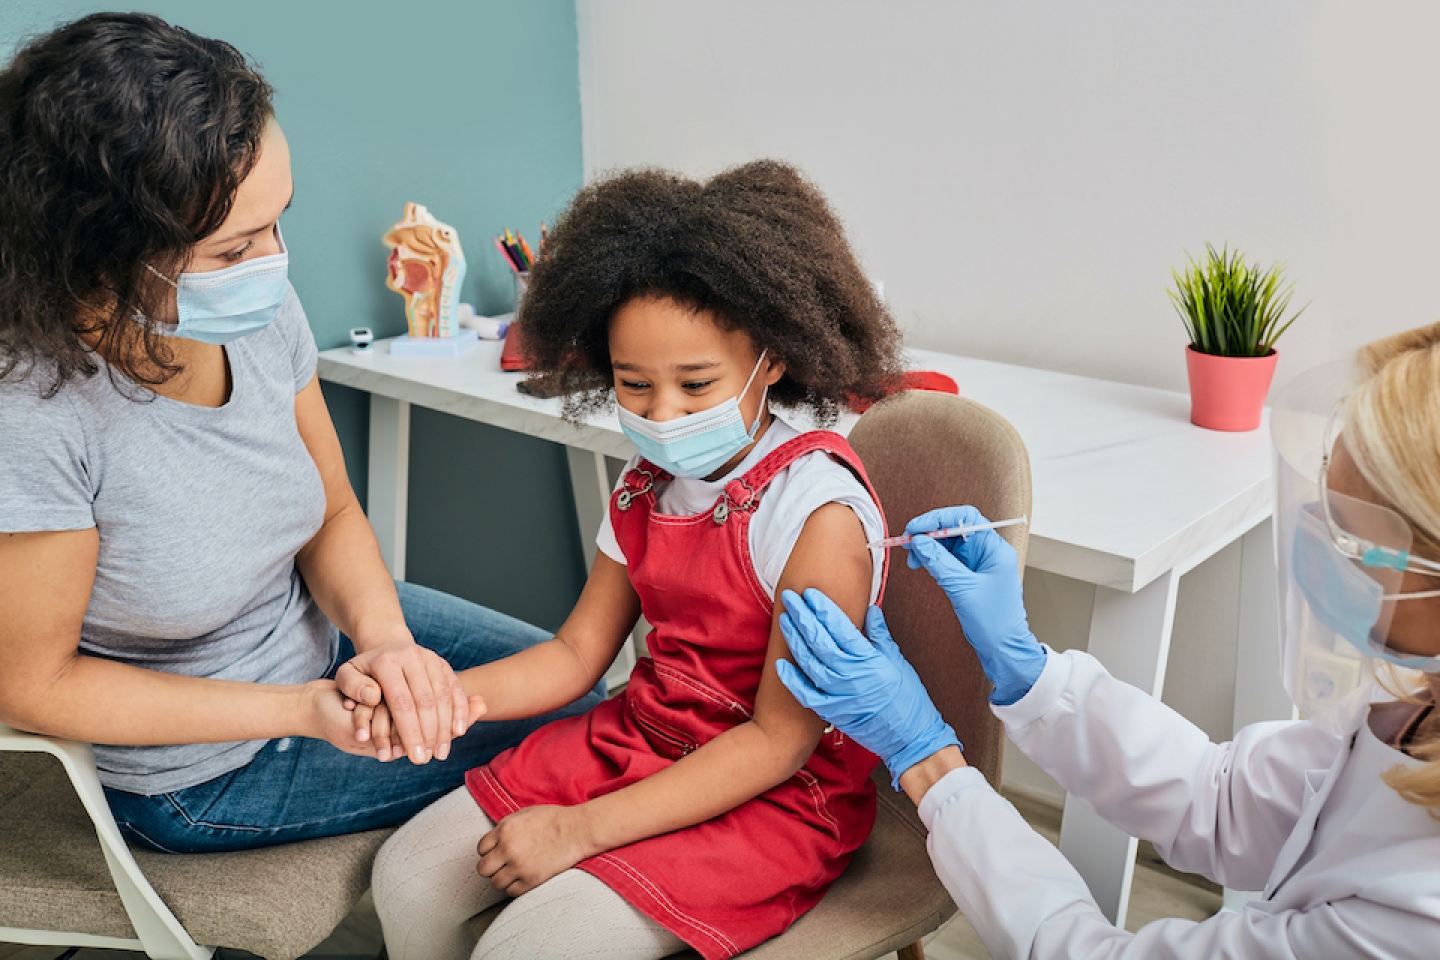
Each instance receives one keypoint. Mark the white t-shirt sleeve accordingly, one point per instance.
(605, 540)
(807, 485)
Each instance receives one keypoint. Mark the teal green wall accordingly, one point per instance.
(481, 123)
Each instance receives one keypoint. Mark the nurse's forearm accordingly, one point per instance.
(1008, 881)
(101, 701)
(739, 765)
(917, 781)
(343, 569)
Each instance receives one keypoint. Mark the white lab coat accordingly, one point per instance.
(1364, 882)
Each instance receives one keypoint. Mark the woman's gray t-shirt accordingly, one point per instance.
(200, 513)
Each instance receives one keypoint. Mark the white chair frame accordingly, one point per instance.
(158, 933)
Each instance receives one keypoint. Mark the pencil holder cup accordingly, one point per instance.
(522, 283)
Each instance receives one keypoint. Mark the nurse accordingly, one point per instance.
(1334, 817)
(186, 578)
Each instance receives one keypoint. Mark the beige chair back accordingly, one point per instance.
(921, 450)
(924, 450)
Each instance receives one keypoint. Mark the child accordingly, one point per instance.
(703, 806)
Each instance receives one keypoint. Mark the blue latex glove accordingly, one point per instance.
(865, 687)
(981, 576)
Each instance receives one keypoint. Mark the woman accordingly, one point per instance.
(178, 538)
(1336, 818)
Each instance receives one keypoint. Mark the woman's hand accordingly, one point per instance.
(375, 726)
(327, 716)
(532, 845)
(426, 702)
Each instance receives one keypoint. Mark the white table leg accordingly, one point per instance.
(1259, 692)
(388, 500)
(590, 485)
(1130, 635)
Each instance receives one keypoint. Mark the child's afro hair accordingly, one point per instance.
(756, 246)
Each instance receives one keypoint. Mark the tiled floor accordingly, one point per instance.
(1158, 892)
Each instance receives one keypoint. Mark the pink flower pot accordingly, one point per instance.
(1228, 393)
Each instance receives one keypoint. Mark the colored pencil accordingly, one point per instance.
(509, 261)
(515, 250)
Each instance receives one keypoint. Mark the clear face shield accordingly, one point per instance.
(1341, 560)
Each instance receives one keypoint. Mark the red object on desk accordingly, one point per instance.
(512, 355)
(913, 380)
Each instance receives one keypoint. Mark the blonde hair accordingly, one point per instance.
(1392, 427)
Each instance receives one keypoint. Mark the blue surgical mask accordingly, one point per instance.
(697, 444)
(223, 305)
(1343, 597)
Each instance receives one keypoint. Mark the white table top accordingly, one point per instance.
(1125, 487)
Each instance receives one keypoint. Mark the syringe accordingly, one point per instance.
(946, 534)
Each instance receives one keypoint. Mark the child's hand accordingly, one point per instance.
(426, 699)
(375, 727)
(532, 845)
(328, 720)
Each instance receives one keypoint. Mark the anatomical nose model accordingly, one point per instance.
(426, 266)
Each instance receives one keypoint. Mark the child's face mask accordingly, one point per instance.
(698, 444)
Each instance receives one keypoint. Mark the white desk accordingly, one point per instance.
(1128, 495)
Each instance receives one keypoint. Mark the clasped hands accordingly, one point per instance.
(398, 699)
(395, 699)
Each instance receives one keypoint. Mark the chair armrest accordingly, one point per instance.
(159, 932)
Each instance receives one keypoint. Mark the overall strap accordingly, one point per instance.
(758, 477)
(638, 481)
(743, 493)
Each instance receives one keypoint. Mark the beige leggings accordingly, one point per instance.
(426, 891)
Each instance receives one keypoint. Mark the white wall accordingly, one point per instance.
(1021, 175)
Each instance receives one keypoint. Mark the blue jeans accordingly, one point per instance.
(299, 789)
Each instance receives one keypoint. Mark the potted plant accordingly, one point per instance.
(1234, 312)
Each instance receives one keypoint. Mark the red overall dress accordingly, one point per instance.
(726, 884)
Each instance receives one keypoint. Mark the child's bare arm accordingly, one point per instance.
(546, 676)
(536, 843)
(551, 674)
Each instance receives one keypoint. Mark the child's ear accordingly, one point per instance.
(774, 370)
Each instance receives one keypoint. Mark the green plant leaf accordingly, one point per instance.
(1230, 307)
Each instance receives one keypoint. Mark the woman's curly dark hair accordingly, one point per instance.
(122, 140)
(756, 246)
